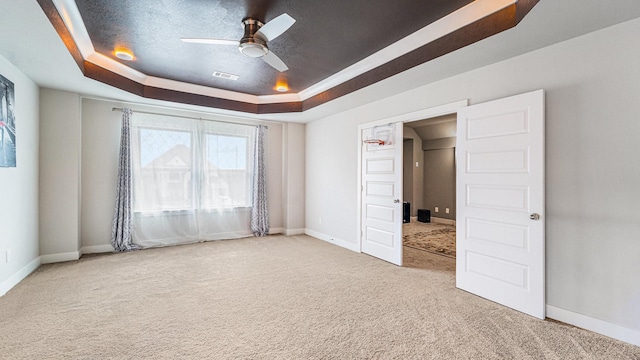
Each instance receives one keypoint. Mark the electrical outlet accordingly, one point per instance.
(446, 210)
(436, 209)
(417, 164)
(320, 221)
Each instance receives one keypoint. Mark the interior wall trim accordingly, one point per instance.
(20, 275)
(333, 240)
(60, 257)
(439, 220)
(291, 232)
(276, 230)
(96, 249)
(614, 331)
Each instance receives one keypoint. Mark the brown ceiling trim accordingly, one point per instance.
(481, 29)
(118, 81)
(277, 108)
(523, 8)
(108, 77)
(58, 24)
(98, 73)
(156, 93)
(151, 92)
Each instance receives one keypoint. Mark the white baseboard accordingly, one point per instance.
(96, 249)
(62, 257)
(278, 230)
(598, 326)
(438, 220)
(333, 240)
(19, 276)
(290, 232)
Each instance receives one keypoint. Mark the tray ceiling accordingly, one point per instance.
(335, 47)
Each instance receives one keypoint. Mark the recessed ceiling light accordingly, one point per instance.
(281, 85)
(124, 55)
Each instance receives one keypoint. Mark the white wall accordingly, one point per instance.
(19, 185)
(59, 175)
(100, 147)
(100, 150)
(293, 178)
(331, 171)
(592, 163)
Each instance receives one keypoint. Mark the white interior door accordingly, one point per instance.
(381, 210)
(500, 202)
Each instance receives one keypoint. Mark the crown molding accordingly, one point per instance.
(476, 21)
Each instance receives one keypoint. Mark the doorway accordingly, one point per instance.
(379, 197)
(500, 197)
(429, 185)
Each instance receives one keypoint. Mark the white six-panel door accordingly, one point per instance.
(500, 202)
(381, 187)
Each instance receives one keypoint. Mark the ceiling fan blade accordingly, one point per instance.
(210, 41)
(275, 62)
(275, 27)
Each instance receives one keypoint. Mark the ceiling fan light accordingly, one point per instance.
(124, 55)
(253, 50)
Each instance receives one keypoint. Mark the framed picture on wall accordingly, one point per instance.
(7, 124)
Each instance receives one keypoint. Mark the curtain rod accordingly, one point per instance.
(187, 117)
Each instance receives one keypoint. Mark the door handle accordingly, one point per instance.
(396, 201)
(534, 216)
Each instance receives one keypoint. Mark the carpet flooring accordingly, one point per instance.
(432, 237)
(272, 298)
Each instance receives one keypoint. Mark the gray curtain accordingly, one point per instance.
(121, 226)
(259, 212)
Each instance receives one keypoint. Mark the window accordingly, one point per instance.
(182, 164)
(225, 166)
(166, 162)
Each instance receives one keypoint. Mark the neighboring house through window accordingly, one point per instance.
(191, 179)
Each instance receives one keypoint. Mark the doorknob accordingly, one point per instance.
(396, 201)
(534, 216)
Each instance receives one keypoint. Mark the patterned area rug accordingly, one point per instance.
(432, 237)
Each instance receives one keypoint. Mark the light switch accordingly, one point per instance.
(436, 209)
(446, 210)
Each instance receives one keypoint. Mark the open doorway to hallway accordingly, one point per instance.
(429, 185)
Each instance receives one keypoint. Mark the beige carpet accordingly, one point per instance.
(432, 237)
(272, 298)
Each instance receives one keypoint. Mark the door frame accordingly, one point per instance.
(445, 109)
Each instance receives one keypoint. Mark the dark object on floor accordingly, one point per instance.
(424, 215)
(406, 212)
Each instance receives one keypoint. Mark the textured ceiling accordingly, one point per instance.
(37, 44)
(335, 48)
(327, 37)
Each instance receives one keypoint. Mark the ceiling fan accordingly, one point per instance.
(256, 36)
